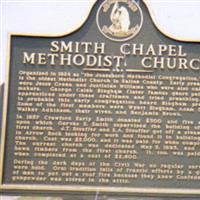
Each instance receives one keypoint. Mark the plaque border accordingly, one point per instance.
(78, 188)
(116, 190)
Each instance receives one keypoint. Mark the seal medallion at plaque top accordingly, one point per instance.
(119, 20)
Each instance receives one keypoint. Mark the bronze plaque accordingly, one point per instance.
(111, 107)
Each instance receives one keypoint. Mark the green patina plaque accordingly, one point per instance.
(113, 106)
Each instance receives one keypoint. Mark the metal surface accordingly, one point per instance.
(135, 59)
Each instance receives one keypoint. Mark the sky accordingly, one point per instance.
(176, 18)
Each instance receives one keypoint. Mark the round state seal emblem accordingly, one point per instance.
(119, 20)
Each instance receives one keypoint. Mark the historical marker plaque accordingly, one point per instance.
(113, 106)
